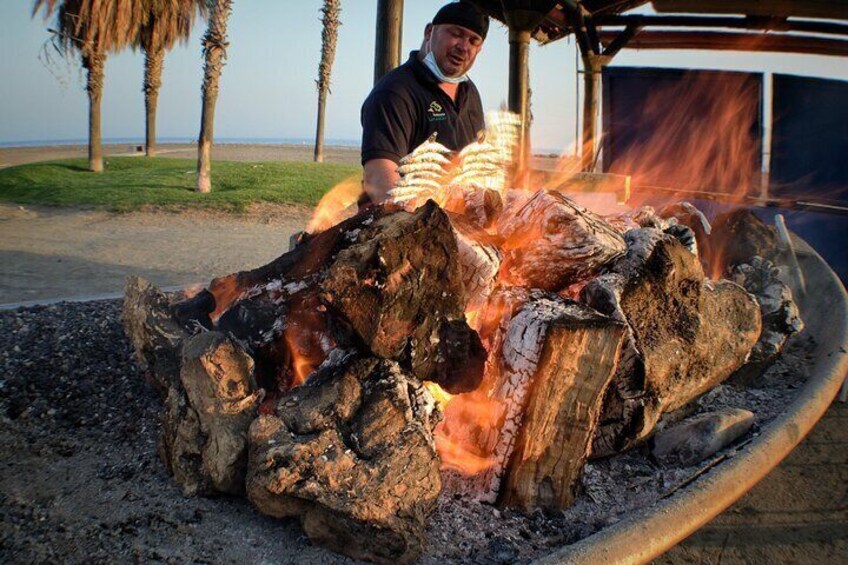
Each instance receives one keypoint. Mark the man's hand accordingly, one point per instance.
(379, 178)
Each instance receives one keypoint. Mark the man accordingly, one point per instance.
(429, 93)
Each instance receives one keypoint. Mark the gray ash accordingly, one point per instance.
(79, 479)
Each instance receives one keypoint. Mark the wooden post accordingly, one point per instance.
(388, 37)
(592, 67)
(519, 97)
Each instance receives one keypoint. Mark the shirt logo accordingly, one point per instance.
(436, 112)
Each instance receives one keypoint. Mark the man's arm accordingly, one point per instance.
(387, 122)
(379, 177)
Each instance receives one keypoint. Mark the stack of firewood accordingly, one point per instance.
(550, 335)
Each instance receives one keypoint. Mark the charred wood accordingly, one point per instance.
(386, 282)
(204, 426)
(685, 335)
(578, 360)
(550, 242)
(781, 317)
(686, 214)
(539, 361)
(479, 258)
(737, 237)
(351, 454)
(154, 332)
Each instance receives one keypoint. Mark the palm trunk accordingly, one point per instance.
(329, 36)
(319, 134)
(94, 65)
(215, 51)
(153, 62)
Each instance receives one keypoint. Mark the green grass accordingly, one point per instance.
(133, 183)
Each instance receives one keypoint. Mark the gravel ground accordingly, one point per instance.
(80, 480)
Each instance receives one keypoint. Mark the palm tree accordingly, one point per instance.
(167, 21)
(215, 51)
(329, 36)
(92, 29)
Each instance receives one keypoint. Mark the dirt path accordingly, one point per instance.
(52, 253)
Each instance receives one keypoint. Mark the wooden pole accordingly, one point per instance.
(388, 37)
(592, 67)
(519, 97)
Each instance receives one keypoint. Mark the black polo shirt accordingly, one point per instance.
(406, 106)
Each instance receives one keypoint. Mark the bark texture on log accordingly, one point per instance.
(479, 258)
(386, 282)
(205, 423)
(577, 362)
(352, 454)
(528, 335)
(686, 334)
(398, 284)
(550, 242)
(155, 334)
(780, 314)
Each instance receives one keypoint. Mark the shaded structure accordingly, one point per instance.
(601, 29)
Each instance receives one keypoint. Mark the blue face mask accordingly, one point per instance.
(430, 61)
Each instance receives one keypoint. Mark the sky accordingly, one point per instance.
(267, 89)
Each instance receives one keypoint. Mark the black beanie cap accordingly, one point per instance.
(463, 14)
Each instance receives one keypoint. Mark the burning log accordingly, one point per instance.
(480, 260)
(682, 220)
(686, 334)
(351, 453)
(204, 427)
(550, 242)
(576, 364)
(780, 315)
(386, 282)
(482, 207)
(533, 418)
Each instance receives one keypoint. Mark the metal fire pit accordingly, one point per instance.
(640, 538)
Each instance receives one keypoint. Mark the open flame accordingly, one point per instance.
(338, 204)
(723, 157)
(226, 291)
(306, 338)
(461, 436)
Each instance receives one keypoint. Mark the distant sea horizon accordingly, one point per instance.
(307, 142)
(164, 140)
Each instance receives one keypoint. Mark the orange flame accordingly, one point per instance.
(226, 291)
(703, 139)
(306, 337)
(336, 205)
(304, 359)
(466, 438)
(459, 458)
